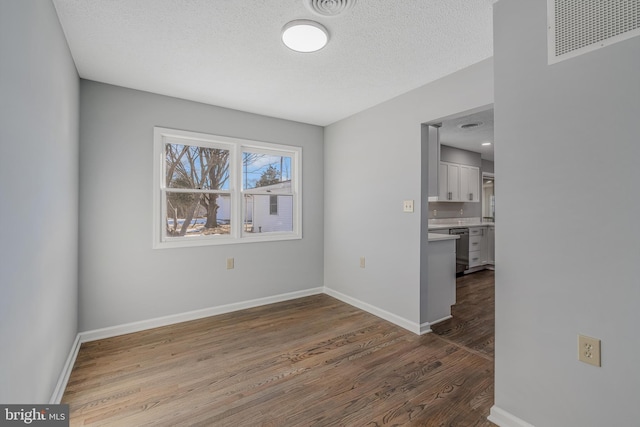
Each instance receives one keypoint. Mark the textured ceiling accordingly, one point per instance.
(229, 52)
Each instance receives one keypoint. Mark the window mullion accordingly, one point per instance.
(234, 173)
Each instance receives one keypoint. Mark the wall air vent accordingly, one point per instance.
(580, 26)
(329, 7)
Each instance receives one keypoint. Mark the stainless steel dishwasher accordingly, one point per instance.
(462, 248)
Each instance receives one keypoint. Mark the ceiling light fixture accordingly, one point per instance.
(486, 143)
(305, 36)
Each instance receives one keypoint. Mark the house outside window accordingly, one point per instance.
(212, 190)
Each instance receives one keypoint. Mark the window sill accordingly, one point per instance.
(218, 241)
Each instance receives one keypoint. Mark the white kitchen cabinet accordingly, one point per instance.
(478, 246)
(474, 259)
(458, 183)
(476, 243)
(449, 182)
(469, 184)
(481, 241)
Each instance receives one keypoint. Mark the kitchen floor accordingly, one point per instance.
(473, 324)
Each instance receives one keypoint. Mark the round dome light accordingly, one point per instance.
(304, 36)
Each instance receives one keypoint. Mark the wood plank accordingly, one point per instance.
(314, 361)
(473, 323)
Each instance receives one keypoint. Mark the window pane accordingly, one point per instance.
(215, 190)
(197, 214)
(259, 216)
(265, 171)
(192, 166)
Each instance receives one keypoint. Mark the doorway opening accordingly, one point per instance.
(466, 142)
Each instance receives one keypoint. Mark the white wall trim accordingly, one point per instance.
(505, 419)
(425, 328)
(393, 318)
(436, 321)
(112, 331)
(61, 385)
(441, 320)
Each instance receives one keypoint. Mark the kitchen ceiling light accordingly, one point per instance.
(304, 36)
(486, 143)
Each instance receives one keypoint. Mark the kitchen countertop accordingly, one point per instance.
(433, 237)
(453, 223)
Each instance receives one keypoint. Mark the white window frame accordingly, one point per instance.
(236, 146)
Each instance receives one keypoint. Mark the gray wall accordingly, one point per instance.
(373, 163)
(39, 201)
(122, 279)
(487, 166)
(458, 155)
(572, 268)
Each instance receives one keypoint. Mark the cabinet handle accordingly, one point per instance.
(450, 195)
(470, 196)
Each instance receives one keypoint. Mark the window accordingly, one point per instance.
(211, 190)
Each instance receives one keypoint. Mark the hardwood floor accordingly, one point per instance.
(473, 322)
(314, 361)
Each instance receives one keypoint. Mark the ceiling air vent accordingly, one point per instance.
(580, 26)
(329, 7)
(469, 126)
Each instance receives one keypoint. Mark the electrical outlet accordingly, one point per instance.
(408, 206)
(461, 212)
(362, 264)
(589, 350)
(435, 212)
(230, 263)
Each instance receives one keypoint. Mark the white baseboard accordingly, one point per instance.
(505, 419)
(425, 328)
(395, 319)
(441, 320)
(113, 331)
(56, 397)
(128, 328)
